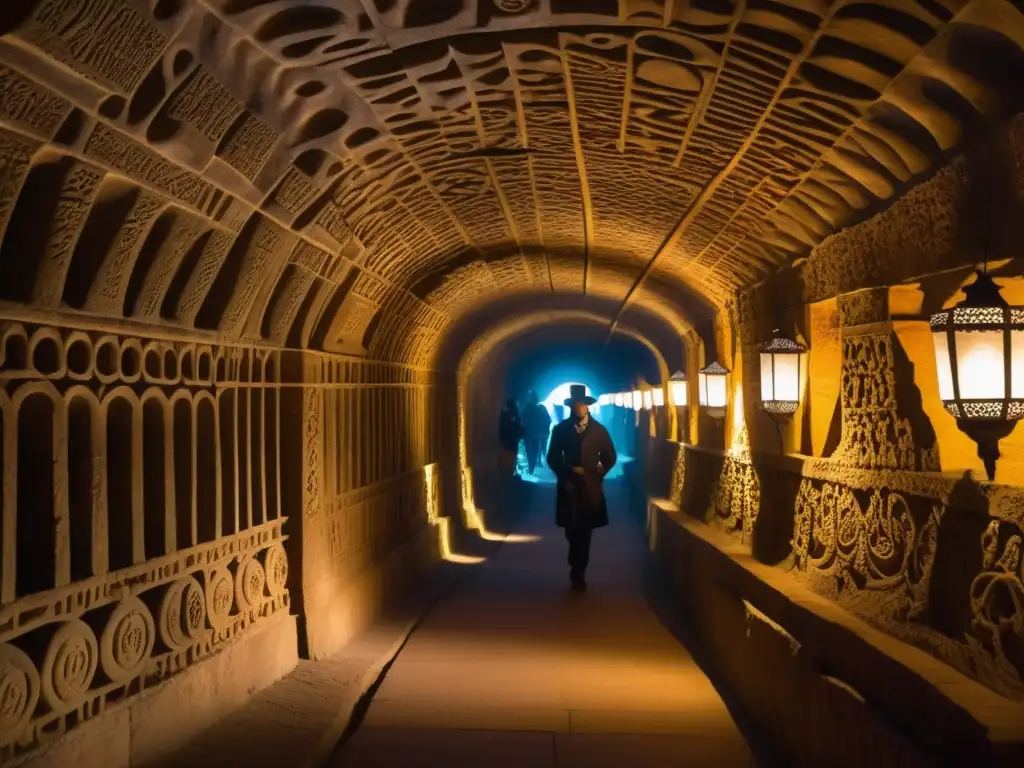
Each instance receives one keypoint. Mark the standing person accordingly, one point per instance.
(537, 422)
(510, 432)
(581, 454)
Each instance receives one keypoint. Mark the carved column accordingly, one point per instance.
(877, 431)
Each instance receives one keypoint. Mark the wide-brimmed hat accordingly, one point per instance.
(578, 394)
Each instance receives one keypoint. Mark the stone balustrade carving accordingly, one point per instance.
(891, 545)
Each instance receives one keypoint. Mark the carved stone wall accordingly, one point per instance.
(929, 558)
(375, 454)
(143, 528)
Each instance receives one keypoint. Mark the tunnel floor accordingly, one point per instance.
(515, 669)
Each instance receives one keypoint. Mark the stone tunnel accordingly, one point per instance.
(269, 269)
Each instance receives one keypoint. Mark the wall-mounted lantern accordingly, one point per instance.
(713, 390)
(604, 399)
(659, 397)
(638, 399)
(618, 399)
(979, 354)
(781, 358)
(780, 375)
(677, 389)
(648, 400)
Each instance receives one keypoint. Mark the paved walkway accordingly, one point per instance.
(515, 669)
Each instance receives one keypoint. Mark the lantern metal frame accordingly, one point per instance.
(716, 412)
(984, 420)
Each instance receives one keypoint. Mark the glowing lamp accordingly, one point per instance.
(648, 400)
(677, 389)
(604, 399)
(979, 355)
(638, 399)
(780, 375)
(618, 399)
(713, 389)
(659, 397)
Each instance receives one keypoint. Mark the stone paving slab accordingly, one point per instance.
(512, 660)
(297, 721)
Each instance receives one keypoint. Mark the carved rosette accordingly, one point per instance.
(69, 665)
(182, 613)
(250, 580)
(220, 595)
(19, 692)
(127, 640)
(275, 565)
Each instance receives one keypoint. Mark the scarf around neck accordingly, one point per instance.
(582, 424)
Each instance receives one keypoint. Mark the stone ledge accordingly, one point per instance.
(903, 690)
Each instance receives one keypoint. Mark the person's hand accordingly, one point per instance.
(578, 470)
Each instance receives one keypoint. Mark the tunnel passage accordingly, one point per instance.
(256, 258)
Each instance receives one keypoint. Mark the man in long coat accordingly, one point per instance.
(580, 454)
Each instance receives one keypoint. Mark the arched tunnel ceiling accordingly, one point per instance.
(346, 173)
(467, 342)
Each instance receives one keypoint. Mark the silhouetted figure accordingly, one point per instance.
(581, 454)
(537, 422)
(510, 432)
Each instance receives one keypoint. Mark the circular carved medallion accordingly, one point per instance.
(19, 692)
(127, 640)
(69, 665)
(253, 581)
(182, 613)
(220, 595)
(275, 563)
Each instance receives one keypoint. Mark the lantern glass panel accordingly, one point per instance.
(1017, 364)
(677, 390)
(648, 399)
(943, 366)
(712, 390)
(787, 377)
(638, 399)
(659, 397)
(768, 376)
(979, 364)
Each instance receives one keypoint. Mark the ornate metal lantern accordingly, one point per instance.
(659, 397)
(648, 399)
(714, 391)
(604, 399)
(780, 375)
(638, 399)
(677, 389)
(619, 399)
(979, 354)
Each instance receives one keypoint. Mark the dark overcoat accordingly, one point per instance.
(581, 501)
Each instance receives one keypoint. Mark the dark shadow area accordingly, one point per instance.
(773, 529)
(659, 596)
(911, 405)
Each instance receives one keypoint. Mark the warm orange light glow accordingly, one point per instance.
(442, 523)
